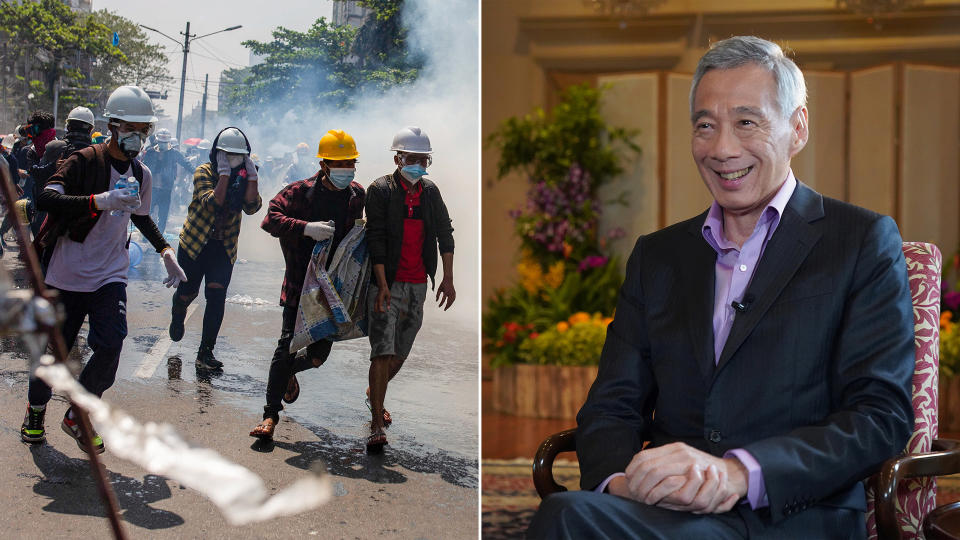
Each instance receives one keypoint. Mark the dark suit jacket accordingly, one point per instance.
(814, 379)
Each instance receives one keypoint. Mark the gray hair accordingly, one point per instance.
(741, 50)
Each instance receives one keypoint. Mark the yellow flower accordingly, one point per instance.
(555, 275)
(562, 326)
(531, 275)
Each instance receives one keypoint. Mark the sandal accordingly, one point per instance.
(387, 419)
(263, 430)
(293, 390)
(376, 441)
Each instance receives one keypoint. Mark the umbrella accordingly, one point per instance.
(192, 141)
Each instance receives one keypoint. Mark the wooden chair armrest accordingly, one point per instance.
(943, 460)
(565, 441)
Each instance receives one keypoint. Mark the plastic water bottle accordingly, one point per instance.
(131, 185)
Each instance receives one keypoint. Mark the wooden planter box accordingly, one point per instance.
(541, 391)
(948, 408)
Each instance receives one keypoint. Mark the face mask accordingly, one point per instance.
(413, 172)
(163, 147)
(341, 178)
(235, 160)
(130, 143)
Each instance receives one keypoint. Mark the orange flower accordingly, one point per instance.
(607, 320)
(579, 317)
(567, 250)
(562, 326)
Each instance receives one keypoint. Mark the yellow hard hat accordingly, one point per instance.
(337, 144)
(96, 134)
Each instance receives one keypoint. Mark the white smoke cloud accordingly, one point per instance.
(443, 101)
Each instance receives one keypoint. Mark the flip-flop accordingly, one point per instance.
(293, 390)
(387, 419)
(260, 431)
(376, 441)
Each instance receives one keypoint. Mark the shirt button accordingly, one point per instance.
(715, 436)
(743, 268)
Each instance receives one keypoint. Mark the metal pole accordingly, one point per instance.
(56, 100)
(183, 77)
(203, 107)
(60, 349)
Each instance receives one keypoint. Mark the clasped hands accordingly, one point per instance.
(679, 477)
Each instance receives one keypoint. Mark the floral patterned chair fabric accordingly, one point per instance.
(904, 492)
(916, 497)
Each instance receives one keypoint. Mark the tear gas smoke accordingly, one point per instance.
(443, 101)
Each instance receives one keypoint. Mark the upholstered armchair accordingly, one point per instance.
(904, 491)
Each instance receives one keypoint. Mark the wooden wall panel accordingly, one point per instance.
(631, 102)
(822, 164)
(929, 172)
(685, 195)
(872, 135)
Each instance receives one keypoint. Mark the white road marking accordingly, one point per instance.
(159, 351)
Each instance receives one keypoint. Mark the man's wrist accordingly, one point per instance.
(737, 475)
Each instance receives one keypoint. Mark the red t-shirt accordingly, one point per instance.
(411, 268)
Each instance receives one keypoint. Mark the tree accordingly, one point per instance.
(381, 46)
(48, 37)
(328, 64)
(143, 63)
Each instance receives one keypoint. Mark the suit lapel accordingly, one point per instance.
(785, 252)
(699, 271)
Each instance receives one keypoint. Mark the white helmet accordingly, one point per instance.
(130, 103)
(81, 114)
(232, 140)
(204, 144)
(411, 139)
(163, 135)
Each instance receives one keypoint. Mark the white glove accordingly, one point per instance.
(251, 168)
(223, 164)
(175, 274)
(319, 230)
(117, 199)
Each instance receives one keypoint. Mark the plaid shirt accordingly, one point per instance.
(288, 213)
(202, 214)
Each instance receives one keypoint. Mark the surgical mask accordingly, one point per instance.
(342, 177)
(235, 160)
(130, 143)
(413, 172)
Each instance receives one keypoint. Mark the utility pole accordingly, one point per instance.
(203, 107)
(185, 46)
(183, 76)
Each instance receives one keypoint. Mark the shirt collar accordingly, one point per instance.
(712, 229)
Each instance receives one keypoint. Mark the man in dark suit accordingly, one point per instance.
(763, 348)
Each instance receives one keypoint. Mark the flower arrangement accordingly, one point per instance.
(564, 269)
(949, 319)
(576, 341)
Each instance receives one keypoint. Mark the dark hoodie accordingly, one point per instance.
(238, 175)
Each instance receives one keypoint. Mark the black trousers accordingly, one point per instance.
(585, 514)
(160, 200)
(212, 265)
(284, 364)
(107, 309)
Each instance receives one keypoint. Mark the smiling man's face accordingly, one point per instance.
(742, 143)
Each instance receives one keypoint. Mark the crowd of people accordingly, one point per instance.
(345, 277)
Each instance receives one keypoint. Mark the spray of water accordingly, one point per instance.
(443, 101)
